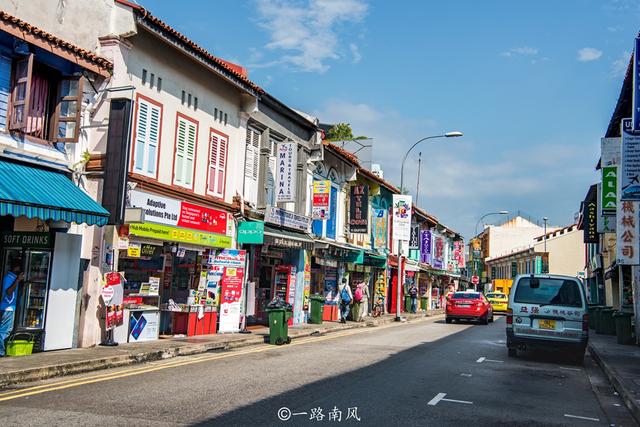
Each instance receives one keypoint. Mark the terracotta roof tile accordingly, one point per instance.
(25, 27)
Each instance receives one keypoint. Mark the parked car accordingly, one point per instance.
(468, 306)
(499, 301)
(548, 312)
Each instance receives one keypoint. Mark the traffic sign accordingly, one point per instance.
(475, 280)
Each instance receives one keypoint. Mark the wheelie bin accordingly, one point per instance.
(407, 303)
(592, 315)
(278, 325)
(606, 319)
(624, 330)
(423, 303)
(598, 318)
(317, 308)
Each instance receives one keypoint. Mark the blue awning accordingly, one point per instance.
(38, 193)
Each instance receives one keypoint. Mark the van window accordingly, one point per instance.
(550, 292)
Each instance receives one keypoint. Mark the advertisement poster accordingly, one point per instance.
(331, 286)
(167, 211)
(113, 294)
(630, 169)
(379, 228)
(230, 295)
(425, 247)
(287, 164)
(134, 249)
(359, 209)
(230, 258)
(321, 191)
(401, 217)
(307, 281)
(143, 326)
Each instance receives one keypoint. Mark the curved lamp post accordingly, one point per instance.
(475, 270)
(446, 135)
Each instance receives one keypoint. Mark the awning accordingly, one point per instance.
(411, 265)
(38, 193)
(375, 260)
(282, 238)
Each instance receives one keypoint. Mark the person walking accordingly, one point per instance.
(413, 293)
(362, 293)
(346, 298)
(8, 301)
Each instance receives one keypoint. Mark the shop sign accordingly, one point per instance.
(27, 240)
(133, 251)
(284, 218)
(287, 158)
(609, 188)
(173, 212)
(321, 191)
(114, 293)
(425, 247)
(437, 264)
(538, 265)
(359, 209)
(630, 171)
(401, 216)
(379, 228)
(230, 295)
(610, 151)
(230, 258)
(589, 215)
(414, 241)
(284, 242)
(148, 250)
(627, 233)
(251, 232)
(327, 262)
(439, 248)
(181, 235)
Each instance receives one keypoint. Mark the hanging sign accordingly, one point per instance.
(401, 217)
(379, 228)
(134, 249)
(589, 215)
(609, 188)
(183, 235)
(251, 232)
(627, 233)
(635, 111)
(359, 209)
(414, 241)
(284, 218)
(630, 171)
(321, 191)
(425, 247)
(287, 164)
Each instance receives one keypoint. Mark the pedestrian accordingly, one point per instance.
(346, 298)
(413, 293)
(362, 290)
(8, 301)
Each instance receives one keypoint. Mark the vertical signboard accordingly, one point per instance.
(630, 170)
(402, 217)
(627, 231)
(320, 207)
(359, 209)
(414, 241)
(514, 269)
(379, 228)
(232, 263)
(609, 189)
(589, 216)
(287, 163)
(425, 247)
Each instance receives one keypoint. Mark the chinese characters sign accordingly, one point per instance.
(401, 217)
(321, 190)
(628, 229)
(287, 159)
(359, 209)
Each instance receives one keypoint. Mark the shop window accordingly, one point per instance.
(218, 145)
(44, 104)
(147, 137)
(185, 151)
(252, 157)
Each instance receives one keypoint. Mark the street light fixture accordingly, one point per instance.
(452, 134)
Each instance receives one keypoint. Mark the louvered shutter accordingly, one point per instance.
(5, 84)
(142, 129)
(217, 164)
(252, 157)
(181, 145)
(190, 153)
(222, 166)
(153, 139)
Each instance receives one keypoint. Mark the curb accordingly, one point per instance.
(83, 366)
(625, 394)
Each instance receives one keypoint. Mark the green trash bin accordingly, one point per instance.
(278, 326)
(354, 311)
(608, 326)
(592, 315)
(624, 331)
(317, 308)
(598, 318)
(423, 303)
(407, 303)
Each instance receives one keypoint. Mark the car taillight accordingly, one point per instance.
(585, 323)
(509, 316)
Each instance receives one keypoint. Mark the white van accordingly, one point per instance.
(548, 312)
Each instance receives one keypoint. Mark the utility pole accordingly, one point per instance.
(418, 184)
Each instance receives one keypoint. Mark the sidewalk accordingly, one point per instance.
(45, 365)
(621, 365)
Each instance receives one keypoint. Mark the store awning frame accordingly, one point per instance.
(283, 238)
(45, 194)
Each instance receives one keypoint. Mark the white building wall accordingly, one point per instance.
(566, 253)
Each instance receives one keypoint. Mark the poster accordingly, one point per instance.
(230, 258)
(627, 233)
(331, 286)
(630, 169)
(134, 249)
(143, 326)
(307, 281)
(230, 295)
(359, 209)
(401, 217)
(321, 191)
(113, 294)
(380, 228)
(287, 164)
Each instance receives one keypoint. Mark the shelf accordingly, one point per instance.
(142, 295)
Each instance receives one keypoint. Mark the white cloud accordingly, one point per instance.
(355, 52)
(587, 54)
(619, 66)
(524, 50)
(307, 34)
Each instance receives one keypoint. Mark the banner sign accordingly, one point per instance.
(425, 247)
(27, 240)
(113, 295)
(379, 228)
(606, 223)
(287, 164)
(609, 188)
(538, 266)
(173, 212)
(359, 209)
(230, 258)
(414, 240)
(321, 191)
(402, 217)
(183, 235)
(610, 151)
(630, 171)
(627, 233)
(635, 110)
(589, 216)
(514, 269)
(284, 218)
(230, 295)
(251, 232)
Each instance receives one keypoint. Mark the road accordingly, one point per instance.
(418, 373)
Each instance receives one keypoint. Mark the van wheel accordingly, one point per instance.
(512, 352)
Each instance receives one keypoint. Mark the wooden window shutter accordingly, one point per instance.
(68, 110)
(190, 153)
(142, 130)
(153, 139)
(214, 146)
(181, 142)
(21, 93)
(217, 164)
(222, 166)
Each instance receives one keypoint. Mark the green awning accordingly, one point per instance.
(38, 193)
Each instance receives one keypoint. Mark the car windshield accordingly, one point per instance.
(496, 296)
(549, 292)
(466, 295)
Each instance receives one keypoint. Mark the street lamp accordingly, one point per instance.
(453, 134)
(475, 268)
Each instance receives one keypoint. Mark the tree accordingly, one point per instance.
(342, 132)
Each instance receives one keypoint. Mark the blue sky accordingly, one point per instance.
(531, 84)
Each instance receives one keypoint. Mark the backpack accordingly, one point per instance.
(413, 291)
(344, 295)
(357, 296)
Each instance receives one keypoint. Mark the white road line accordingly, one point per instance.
(466, 375)
(581, 418)
(480, 360)
(458, 401)
(570, 369)
(494, 361)
(438, 397)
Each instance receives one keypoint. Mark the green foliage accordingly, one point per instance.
(342, 132)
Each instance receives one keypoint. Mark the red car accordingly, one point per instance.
(469, 306)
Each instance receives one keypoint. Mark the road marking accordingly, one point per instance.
(437, 398)
(581, 418)
(570, 369)
(494, 361)
(466, 375)
(458, 401)
(480, 360)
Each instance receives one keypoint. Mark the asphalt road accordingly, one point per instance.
(420, 373)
